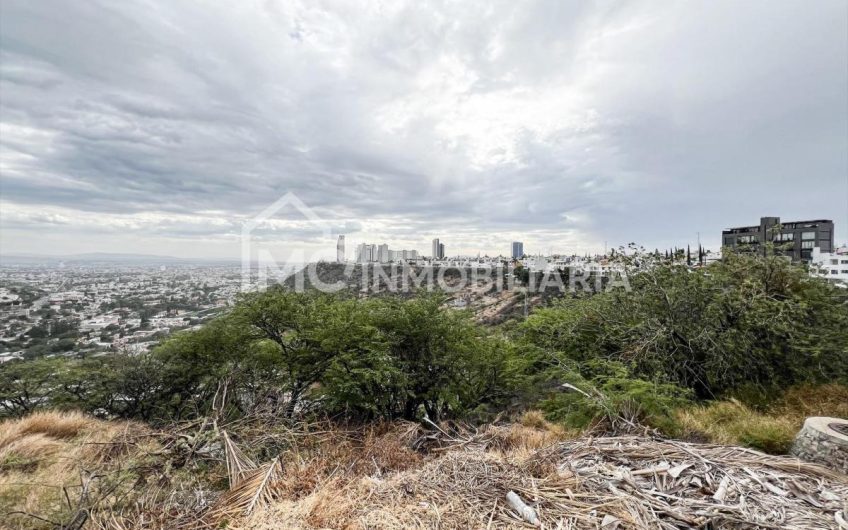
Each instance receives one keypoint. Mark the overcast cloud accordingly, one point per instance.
(159, 126)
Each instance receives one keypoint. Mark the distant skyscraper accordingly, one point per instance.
(369, 253)
(517, 249)
(366, 253)
(436, 248)
(340, 250)
(441, 251)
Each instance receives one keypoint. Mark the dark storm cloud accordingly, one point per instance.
(646, 121)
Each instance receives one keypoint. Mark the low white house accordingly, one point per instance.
(830, 265)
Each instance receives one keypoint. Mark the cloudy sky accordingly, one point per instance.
(161, 126)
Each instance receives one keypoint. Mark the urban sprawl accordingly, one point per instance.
(56, 308)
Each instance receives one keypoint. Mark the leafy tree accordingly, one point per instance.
(442, 354)
(194, 364)
(27, 385)
(310, 333)
(747, 321)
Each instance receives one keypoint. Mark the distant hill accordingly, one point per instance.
(489, 305)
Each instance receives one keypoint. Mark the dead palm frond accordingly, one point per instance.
(256, 490)
(239, 465)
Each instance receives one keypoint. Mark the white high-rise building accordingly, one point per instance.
(340, 250)
(438, 249)
(363, 253)
(369, 252)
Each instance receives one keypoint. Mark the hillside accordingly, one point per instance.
(489, 303)
(672, 405)
(63, 470)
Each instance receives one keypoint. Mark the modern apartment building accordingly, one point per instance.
(363, 253)
(517, 249)
(369, 253)
(366, 252)
(438, 249)
(795, 239)
(383, 253)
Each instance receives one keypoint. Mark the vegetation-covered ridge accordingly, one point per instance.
(315, 410)
(747, 328)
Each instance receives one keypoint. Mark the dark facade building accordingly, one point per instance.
(517, 249)
(795, 239)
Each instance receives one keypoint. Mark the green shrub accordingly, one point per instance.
(607, 391)
(767, 437)
(748, 324)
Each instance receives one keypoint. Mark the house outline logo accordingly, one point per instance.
(287, 200)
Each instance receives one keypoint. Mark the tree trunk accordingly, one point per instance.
(432, 411)
(292, 404)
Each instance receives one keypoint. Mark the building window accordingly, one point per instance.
(807, 244)
(785, 237)
(845, 262)
(808, 235)
(834, 271)
(844, 271)
(747, 239)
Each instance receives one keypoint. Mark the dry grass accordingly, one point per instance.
(803, 401)
(629, 482)
(732, 423)
(588, 483)
(64, 425)
(625, 482)
(520, 440)
(327, 469)
(315, 465)
(401, 475)
(44, 460)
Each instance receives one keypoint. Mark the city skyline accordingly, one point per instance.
(568, 127)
